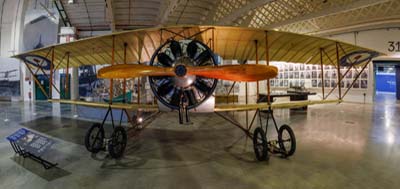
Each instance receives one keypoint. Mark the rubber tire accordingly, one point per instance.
(292, 140)
(115, 152)
(99, 145)
(263, 154)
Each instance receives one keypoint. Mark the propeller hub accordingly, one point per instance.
(180, 70)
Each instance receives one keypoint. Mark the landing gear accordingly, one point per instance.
(260, 144)
(183, 109)
(284, 145)
(94, 138)
(286, 140)
(117, 142)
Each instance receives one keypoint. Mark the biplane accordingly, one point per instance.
(183, 66)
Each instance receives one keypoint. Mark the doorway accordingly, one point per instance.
(44, 81)
(386, 82)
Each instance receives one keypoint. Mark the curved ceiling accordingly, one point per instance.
(321, 17)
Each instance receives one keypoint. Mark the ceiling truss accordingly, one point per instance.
(299, 16)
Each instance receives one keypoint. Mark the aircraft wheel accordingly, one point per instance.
(94, 138)
(117, 144)
(287, 140)
(260, 144)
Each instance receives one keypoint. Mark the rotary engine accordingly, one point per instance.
(183, 91)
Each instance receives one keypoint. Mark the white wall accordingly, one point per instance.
(10, 19)
(377, 40)
(373, 39)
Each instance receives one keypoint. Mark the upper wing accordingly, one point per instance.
(230, 43)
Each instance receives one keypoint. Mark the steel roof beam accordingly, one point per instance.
(235, 14)
(328, 11)
(170, 7)
(110, 14)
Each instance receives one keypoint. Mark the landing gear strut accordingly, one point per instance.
(95, 139)
(183, 109)
(284, 145)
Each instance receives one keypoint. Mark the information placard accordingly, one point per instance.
(32, 142)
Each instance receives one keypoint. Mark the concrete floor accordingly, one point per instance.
(338, 146)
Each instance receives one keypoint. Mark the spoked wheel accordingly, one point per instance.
(117, 143)
(260, 144)
(94, 138)
(287, 140)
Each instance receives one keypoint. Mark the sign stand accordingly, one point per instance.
(32, 145)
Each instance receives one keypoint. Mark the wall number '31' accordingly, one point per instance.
(394, 46)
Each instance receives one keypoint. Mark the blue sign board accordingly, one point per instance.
(32, 142)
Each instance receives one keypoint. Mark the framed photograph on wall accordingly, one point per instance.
(314, 83)
(364, 75)
(349, 74)
(356, 85)
(308, 75)
(327, 83)
(296, 75)
(285, 83)
(348, 83)
(314, 74)
(333, 83)
(364, 84)
(327, 74)
(302, 83)
(334, 75)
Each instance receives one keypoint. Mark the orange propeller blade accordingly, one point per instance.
(122, 71)
(247, 72)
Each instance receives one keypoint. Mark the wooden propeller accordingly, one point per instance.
(247, 72)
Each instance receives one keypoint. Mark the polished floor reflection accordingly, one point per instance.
(338, 146)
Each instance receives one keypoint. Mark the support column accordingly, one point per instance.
(74, 88)
(56, 80)
(17, 31)
(68, 34)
